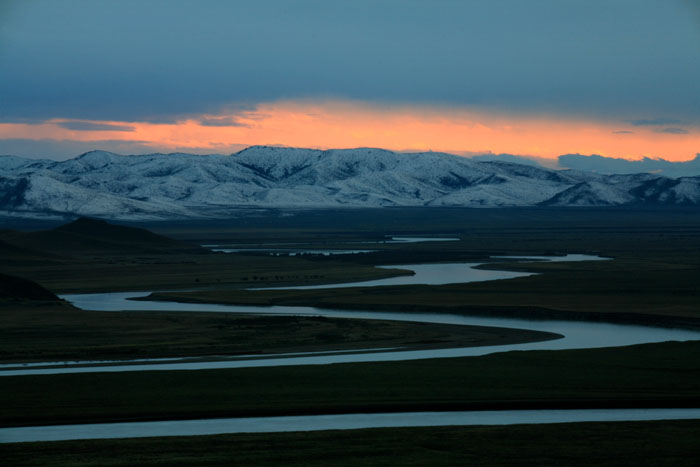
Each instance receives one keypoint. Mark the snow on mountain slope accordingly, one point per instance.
(19, 163)
(682, 191)
(45, 194)
(590, 194)
(162, 186)
(687, 191)
(13, 162)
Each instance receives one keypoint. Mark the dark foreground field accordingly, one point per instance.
(650, 375)
(654, 278)
(666, 443)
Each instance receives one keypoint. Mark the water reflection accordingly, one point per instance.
(333, 422)
(577, 335)
(447, 273)
(274, 248)
(426, 274)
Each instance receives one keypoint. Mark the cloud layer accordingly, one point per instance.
(348, 124)
(160, 61)
(540, 77)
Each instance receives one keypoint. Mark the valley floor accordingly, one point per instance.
(653, 279)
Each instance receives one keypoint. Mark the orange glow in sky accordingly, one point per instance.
(341, 124)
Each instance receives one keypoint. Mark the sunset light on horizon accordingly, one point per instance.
(537, 79)
(345, 124)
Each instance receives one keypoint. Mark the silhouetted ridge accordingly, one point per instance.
(93, 236)
(16, 288)
(105, 231)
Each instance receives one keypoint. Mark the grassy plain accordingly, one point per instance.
(93, 256)
(183, 271)
(650, 375)
(653, 279)
(56, 331)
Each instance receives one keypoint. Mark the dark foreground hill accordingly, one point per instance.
(91, 236)
(17, 289)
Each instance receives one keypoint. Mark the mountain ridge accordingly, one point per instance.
(167, 186)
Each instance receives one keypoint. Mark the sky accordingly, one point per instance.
(541, 78)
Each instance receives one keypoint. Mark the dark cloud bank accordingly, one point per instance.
(610, 165)
(159, 60)
(607, 165)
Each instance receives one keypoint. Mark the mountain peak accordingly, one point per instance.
(95, 159)
(95, 153)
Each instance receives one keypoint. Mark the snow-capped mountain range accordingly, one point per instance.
(165, 186)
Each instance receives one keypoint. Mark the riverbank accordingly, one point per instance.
(419, 299)
(59, 332)
(628, 291)
(649, 375)
(650, 444)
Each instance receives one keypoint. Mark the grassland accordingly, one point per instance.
(167, 271)
(653, 279)
(92, 256)
(622, 290)
(51, 331)
(666, 443)
(650, 375)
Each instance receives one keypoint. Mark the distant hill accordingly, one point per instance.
(106, 232)
(170, 186)
(17, 289)
(92, 236)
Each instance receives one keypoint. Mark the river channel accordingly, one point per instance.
(577, 334)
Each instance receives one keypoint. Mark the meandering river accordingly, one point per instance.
(577, 334)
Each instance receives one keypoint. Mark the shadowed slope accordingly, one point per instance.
(86, 235)
(15, 288)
